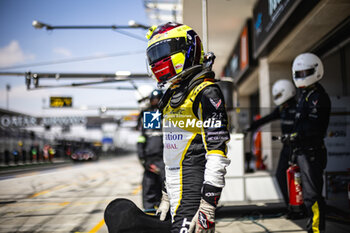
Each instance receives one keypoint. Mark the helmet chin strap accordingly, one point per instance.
(185, 73)
(207, 65)
(192, 72)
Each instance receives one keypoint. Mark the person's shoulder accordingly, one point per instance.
(321, 90)
(211, 90)
(319, 94)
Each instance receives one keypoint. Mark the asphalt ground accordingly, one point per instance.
(72, 198)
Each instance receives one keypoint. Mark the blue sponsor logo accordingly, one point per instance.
(151, 120)
(258, 23)
(173, 137)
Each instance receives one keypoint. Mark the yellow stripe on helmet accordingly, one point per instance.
(150, 31)
(178, 60)
(180, 31)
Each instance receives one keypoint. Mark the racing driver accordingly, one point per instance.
(195, 128)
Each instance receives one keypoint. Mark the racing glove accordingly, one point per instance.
(163, 207)
(204, 220)
(153, 168)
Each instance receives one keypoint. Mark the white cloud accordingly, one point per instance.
(12, 54)
(63, 51)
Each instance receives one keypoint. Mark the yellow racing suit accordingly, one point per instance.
(195, 133)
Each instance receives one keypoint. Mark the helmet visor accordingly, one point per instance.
(165, 48)
(277, 96)
(304, 73)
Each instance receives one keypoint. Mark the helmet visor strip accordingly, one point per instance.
(304, 73)
(277, 96)
(165, 48)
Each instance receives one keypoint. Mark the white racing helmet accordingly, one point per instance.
(282, 91)
(307, 70)
(142, 95)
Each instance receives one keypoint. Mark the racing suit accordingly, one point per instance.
(310, 127)
(194, 154)
(285, 112)
(150, 153)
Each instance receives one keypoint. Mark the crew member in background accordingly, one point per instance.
(46, 152)
(310, 128)
(51, 154)
(283, 94)
(195, 157)
(150, 153)
(24, 154)
(7, 156)
(256, 147)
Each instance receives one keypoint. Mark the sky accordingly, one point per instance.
(21, 45)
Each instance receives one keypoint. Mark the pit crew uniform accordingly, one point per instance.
(286, 113)
(312, 118)
(150, 153)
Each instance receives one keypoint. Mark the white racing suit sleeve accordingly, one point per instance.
(215, 170)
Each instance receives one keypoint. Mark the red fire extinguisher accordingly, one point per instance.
(294, 188)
